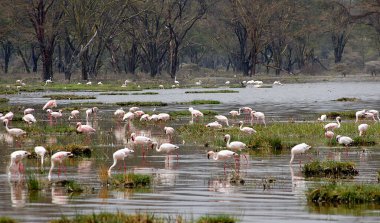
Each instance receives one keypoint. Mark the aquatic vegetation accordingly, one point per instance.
(141, 103)
(33, 183)
(114, 93)
(329, 169)
(60, 128)
(342, 114)
(344, 99)
(70, 185)
(187, 113)
(4, 100)
(5, 219)
(68, 97)
(131, 180)
(200, 102)
(217, 219)
(103, 174)
(145, 93)
(77, 150)
(344, 193)
(211, 92)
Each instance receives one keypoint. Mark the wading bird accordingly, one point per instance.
(332, 126)
(167, 148)
(298, 149)
(235, 145)
(120, 154)
(222, 118)
(16, 164)
(13, 131)
(40, 151)
(344, 140)
(362, 129)
(58, 158)
(50, 104)
(29, 118)
(141, 140)
(86, 129)
(247, 130)
(223, 155)
(259, 116)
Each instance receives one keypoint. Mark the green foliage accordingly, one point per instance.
(145, 93)
(216, 219)
(4, 219)
(131, 180)
(71, 186)
(77, 150)
(68, 97)
(142, 103)
(342, 114)
(200, 102)
(345, 193)
(347, 99)
(211, 92)
(329, 169)
(33, 183)
(4, 100)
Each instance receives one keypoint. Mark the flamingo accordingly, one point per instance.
(58, 157)
(119, 113)
(298, 149)
(40, 151)
(8, 116)
(50, 104)
(227, 82)
(223, 155)
(277, 83)
(169, 131)
(247, 111)
(89, 83)
(29, 118)
(100, 83)
(247, 130)
(120, 155)
(329, 135)
(55, 115)
(48, 81)
(235, 145)
(28, 111)
(129, 116)
(214, 125)
(74, 114)
(91, 111)
(13, 131)
(138, 113)
(16, 158)
(163, 117)
(332, 126)
(370, 116)
(133, 109)
(175, 80)
(153, 117)
(84, 128)
(141, 140)
(167, 148)
(126, 82)
(195, 113)
(359, 114)
(344, 140)
(362, 129)
(259, 116)
(222, 118)
(323, 118)
(376, 113)
(144, 117)
(234, 113)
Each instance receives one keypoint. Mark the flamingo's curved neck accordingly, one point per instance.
(113, 165)
(241, 126)
(51, 169)
(228, 141)
(291, 159)
(158, 149)
(338, 123)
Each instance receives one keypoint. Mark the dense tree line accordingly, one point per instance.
(157, 36)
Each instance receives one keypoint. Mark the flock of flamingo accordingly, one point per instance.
(231, 152)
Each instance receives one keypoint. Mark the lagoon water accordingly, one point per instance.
(192, 186)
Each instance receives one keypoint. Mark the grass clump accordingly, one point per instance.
(211, 92)
(5, 219)
(131, 180)
(145, 93)
(68, 97)
(142, 103)
(345, 193)
(342, 114)
(329, 169)
(114, 93)
(344, 99)
(201, 102)
(71, 186)
(77, 150)
(363, 141)
(4, 100)
(33, 183)
(216, 219)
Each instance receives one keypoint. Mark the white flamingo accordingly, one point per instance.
(259, 116)
(359, 114)
(58, 158)
(234, 113)
(323, 118)
(362, 129)
(74, 114)
(298, 149)
(50, 104)
(376, 113)
(370, 115)
(119, 113)
(28, 111)
(235, 145)
(29, 118)
(222, 118)
(167, 148)
(13, 131)
(214, 125)
(86, 129)
(40, 151)
(169, 131)
(195, 113)
(247, 130)
(141, 140)
(223, 155)
(16, 164)
(332, 126)
(120, 154)
(344, 140)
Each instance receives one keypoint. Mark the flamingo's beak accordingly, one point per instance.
(208, 156)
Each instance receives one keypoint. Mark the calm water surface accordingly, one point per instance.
(192, 186)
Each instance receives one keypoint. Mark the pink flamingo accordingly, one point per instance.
(329, 135)
(119, 113)
(234, 113)
(58, 157)
(332, 126)
(195, 113)
(167, 148)
(74, 114)
(84, 128)
(29, 118)
(13, 131)
(120, 155)
(91, 111)
(141, 140)
(362, 129)
(50, 104)
(222, 118)
(247, 111)
(169, 131)
(8, 116)
(28, 111)
(235, 145)
(259, 116)
(223, 155)
(16, 164)
(247, 130)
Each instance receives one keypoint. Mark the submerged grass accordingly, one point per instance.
(68, 97)
(342, 114)
(200, 102)
(145, 93)
(142, 103)
(211, 92)
(344, 99)
(131, 180)
(344, 193)
(33, 183)
(71, 186)
(217, 219)
(77, 150)
(329, 169)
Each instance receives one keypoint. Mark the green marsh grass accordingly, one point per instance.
(211, 92)
(145, 93)
(131, 180)
(329, 169)
(217, 219)
(142, 103)
(77, 149)
(33, 183)
(4, 100)
(344, 193)
(114, 93)
(68, 97)
(188, 114)
(342, 114)
(5, 219)
(344, 99)
(71, 186)
(200, 102)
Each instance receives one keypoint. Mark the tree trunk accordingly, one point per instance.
(47, 62)
(84, 63)
(35, 58)
(23, 60)
(339, 43)
(8, 50)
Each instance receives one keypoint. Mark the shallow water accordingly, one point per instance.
(192, 186)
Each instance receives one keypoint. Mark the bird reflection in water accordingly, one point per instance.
(169, 175)
(298, 183)
(18, 193)
(59, 195)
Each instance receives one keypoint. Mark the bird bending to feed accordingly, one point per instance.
(223, 155)
(13, 131)
(58, 158)
(40, 151)
(370, 115)
(344, 140)
(8, 116)
(362, 129)
(141, 140)
(323, 118)
(234, 113)
(55, 115)
(167, 148)
(169, 131)
(16, 164)
(332, 126)
(28, 111)
(359, 114)
(277, 83)
(298, 149)
(215, 125)
(50, 104)
(375, 113)
(222, 118)
(195, 113)
(247, 130)
(235, 145)
(74, 114)
(329, 135)
(259, 116)
(120, 154)
(29, 118)
(91, 111)
(84, 128)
